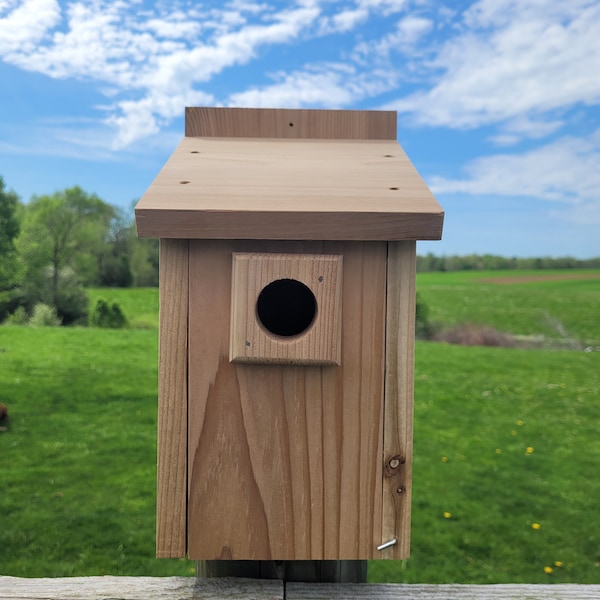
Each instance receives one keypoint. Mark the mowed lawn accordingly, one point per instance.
(506, 446)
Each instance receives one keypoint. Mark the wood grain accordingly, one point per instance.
(139, 588)
(285, 461)
(320, 344)
(191, 588)
(398, 417)
(316, 591)
(171, 501)
(248, 188)
(290, 123)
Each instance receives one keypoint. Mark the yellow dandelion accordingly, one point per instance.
(447, 515)
(536, 526)
(529, 450)
(444, 459)
(558, 563)
(548, 570)
(520, 423)
(498, 450)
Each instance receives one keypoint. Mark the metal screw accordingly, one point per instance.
(387, 544)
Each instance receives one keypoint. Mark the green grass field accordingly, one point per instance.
(555, 308)
(140, 305)
(506, 444)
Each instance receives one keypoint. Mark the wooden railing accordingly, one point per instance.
(191, 588)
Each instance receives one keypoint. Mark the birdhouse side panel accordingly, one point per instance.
(171, 500)
(398, 414)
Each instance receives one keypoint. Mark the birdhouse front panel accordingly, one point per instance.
(283, 457)
(287, 307)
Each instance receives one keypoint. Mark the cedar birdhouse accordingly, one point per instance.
(287, 306)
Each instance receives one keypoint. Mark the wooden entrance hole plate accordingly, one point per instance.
(286, 308)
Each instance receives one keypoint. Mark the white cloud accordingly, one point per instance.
(511, 59)
(142, 118)
(26, 25)
(520, 127)
(174, 27)
(154, 59)
(327, 86)
(409, 31)
(507, 62)
(387, 7)
(295, 90)
(565, 170)
(345, 20)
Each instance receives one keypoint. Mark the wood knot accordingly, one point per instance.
(393, 465)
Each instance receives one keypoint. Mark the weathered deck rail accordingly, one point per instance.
(190, 588)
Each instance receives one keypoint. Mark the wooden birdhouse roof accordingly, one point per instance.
(289, 174)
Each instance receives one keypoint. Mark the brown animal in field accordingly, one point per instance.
(3, 412)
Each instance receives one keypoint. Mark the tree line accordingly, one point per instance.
(54, 246)
(490, 262)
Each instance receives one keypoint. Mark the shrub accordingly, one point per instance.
(108, 315)
(10, 300)
(18, 317)
(71, 301)
(44, 316)
(60, 289)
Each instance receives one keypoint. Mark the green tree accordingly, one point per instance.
(9, 230)
(127, 260)
(114, 261)
(144, 261)
(61, 238)
(10, 265)
(143, 257)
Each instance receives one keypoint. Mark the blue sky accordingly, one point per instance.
(498, 100)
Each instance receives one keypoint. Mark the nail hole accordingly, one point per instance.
(194, 152)
(184, 182)
(291, 124)
(394, 188)
(388, 156)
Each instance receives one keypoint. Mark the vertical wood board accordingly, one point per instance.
(290, 123)
(285, 461)
(171, 500)
(398, 417)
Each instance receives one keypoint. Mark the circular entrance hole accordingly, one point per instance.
(286, 307)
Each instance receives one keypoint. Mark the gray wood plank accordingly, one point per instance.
(139, 588)
(315, 591)
(184, 588)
